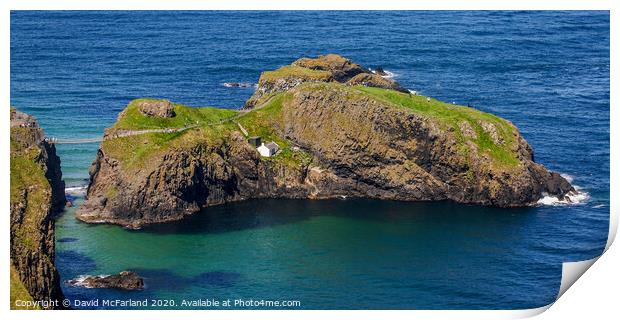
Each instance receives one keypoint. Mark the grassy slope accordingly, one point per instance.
(26, 174)
(18, 291)
(450, 116)
(139, 151)
(136, 151)
(133, 119)
(295, 72)
(263, 121)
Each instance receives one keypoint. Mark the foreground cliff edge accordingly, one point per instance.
(342, 131)
(37, 193)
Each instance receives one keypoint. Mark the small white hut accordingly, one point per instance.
(269, 149)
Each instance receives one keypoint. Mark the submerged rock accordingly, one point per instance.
(125, 280)
(337, 140)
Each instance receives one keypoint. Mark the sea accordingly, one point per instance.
(545, 71)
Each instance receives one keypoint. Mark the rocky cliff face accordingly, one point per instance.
(37, 192)
(327, 68)
(337, 139)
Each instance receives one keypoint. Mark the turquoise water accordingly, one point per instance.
(331, 254)
(547, 72)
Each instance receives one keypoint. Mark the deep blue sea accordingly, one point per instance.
(547, 72)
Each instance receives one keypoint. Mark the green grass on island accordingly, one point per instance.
(295, 72)
(265, 121)
(450, 116)
(30, 187)
(133, 119)
(18, 291)
(212, 124)
(26, 174)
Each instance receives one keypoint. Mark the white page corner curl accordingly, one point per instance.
(571, 271)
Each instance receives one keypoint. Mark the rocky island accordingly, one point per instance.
(341, 131)
(37, 193)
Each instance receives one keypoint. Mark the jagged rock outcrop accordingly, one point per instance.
(327, 68)
(337, 140)
(125, 280)
(377, 81)
(37, 193)
(380, 71)
(341, 69)
(157, 108)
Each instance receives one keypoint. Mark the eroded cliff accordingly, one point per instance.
(37, 193)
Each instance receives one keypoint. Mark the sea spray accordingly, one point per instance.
(579, 196)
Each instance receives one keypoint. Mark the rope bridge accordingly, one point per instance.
(53, 140)
(123, 133)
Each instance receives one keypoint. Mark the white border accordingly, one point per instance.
(593, 293)
(312, 5)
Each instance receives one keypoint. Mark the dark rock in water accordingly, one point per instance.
(67, 239)
(126, 280)
(379, 71)
(68, 204)
(157, 108)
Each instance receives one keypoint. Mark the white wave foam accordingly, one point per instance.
(572, 198)
(579, 196)
(80, 280)
(598, 206)
(76, 191)
(238, 84)
(388, 74)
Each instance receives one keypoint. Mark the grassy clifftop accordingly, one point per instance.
(37, 191)
(133, 119)
(492, 135)
(197, 125)
(30, 186)
(291, 71)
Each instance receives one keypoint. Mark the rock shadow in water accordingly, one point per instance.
(237, 216)
(263, 213)
(218, 278)
(72, 263)
(67, 239)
